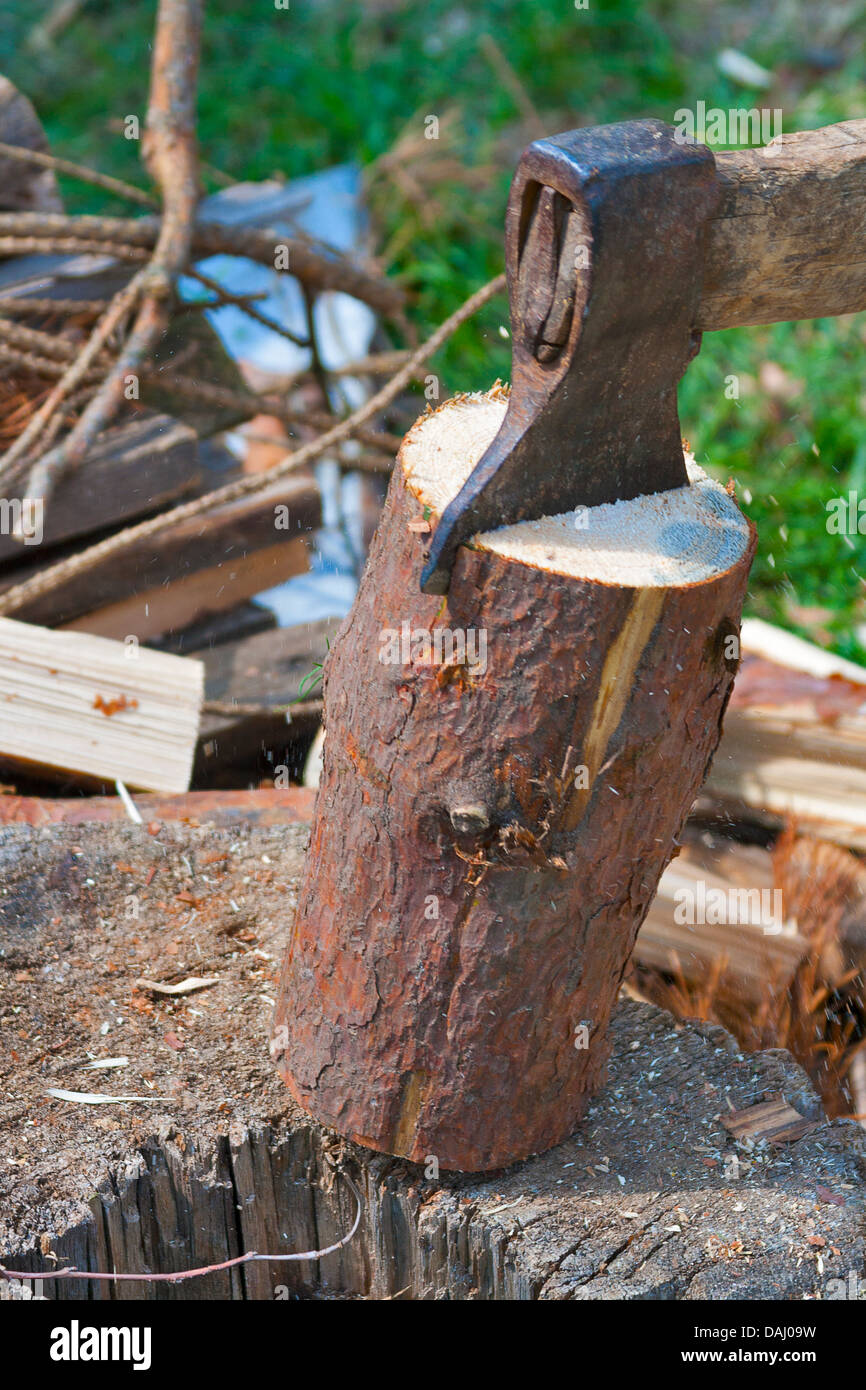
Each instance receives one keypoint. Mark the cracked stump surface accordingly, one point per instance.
(650, 1198)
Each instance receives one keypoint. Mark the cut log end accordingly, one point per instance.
(506, 773)
(684, 536)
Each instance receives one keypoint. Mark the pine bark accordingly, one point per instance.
(487, 842)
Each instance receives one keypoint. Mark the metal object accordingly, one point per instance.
(604, 235)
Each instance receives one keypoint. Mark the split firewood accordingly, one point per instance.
(720, 921)
(795, 741)
(771, 944)
(739, 907)
(104, 710)
(482, 756)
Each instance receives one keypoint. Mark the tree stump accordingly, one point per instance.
(506, 772)
(653, 1198)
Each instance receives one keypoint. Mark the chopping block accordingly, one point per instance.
(528, 692)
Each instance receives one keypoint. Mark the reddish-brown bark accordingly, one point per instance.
(439, 980)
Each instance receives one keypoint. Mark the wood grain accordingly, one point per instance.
(789, 238)
(82, 704)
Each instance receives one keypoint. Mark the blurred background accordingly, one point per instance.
(288, 93)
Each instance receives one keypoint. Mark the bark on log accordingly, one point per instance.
(490, 834)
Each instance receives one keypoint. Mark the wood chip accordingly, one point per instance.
(773, 1120)
(187, 986)
(96, 1098)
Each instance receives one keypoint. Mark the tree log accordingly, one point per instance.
(491, 825)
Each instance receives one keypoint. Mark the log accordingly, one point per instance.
(101, 709)
(491, 826)
(223, 1163)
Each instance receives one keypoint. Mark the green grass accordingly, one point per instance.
(290, 91)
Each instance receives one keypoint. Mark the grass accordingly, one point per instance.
(290, 91)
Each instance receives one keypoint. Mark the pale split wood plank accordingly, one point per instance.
(104, 709)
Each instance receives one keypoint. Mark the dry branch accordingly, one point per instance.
(169, 151)
(59, 574)
(318, 269)
(78, 171)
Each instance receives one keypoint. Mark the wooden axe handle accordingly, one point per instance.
(789, 238)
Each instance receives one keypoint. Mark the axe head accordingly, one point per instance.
(604, 234)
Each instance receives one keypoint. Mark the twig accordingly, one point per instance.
(317, 369)
(61, 13)
(86, 227)
(382, 441)
(78, 171)
(18, 304)
(49, 344)
(292, 708)
(377, 364)
(198, 306)
(320, 269)
(262, 403)
(169, 151)
(56, 575)
(70, 246)
(249, 1258)
(242, 301)
(509, 79)
(41, 366)
(119, 307)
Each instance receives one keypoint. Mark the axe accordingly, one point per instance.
(528, 692)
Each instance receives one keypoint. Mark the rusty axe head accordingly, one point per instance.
(604, 234)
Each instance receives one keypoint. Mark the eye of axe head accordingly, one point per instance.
(604, 234)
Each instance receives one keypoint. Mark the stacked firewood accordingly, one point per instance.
(760, 922)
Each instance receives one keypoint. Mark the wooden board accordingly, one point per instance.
(131, 470)
(193, 568)
(196, 596)
(73, 702)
